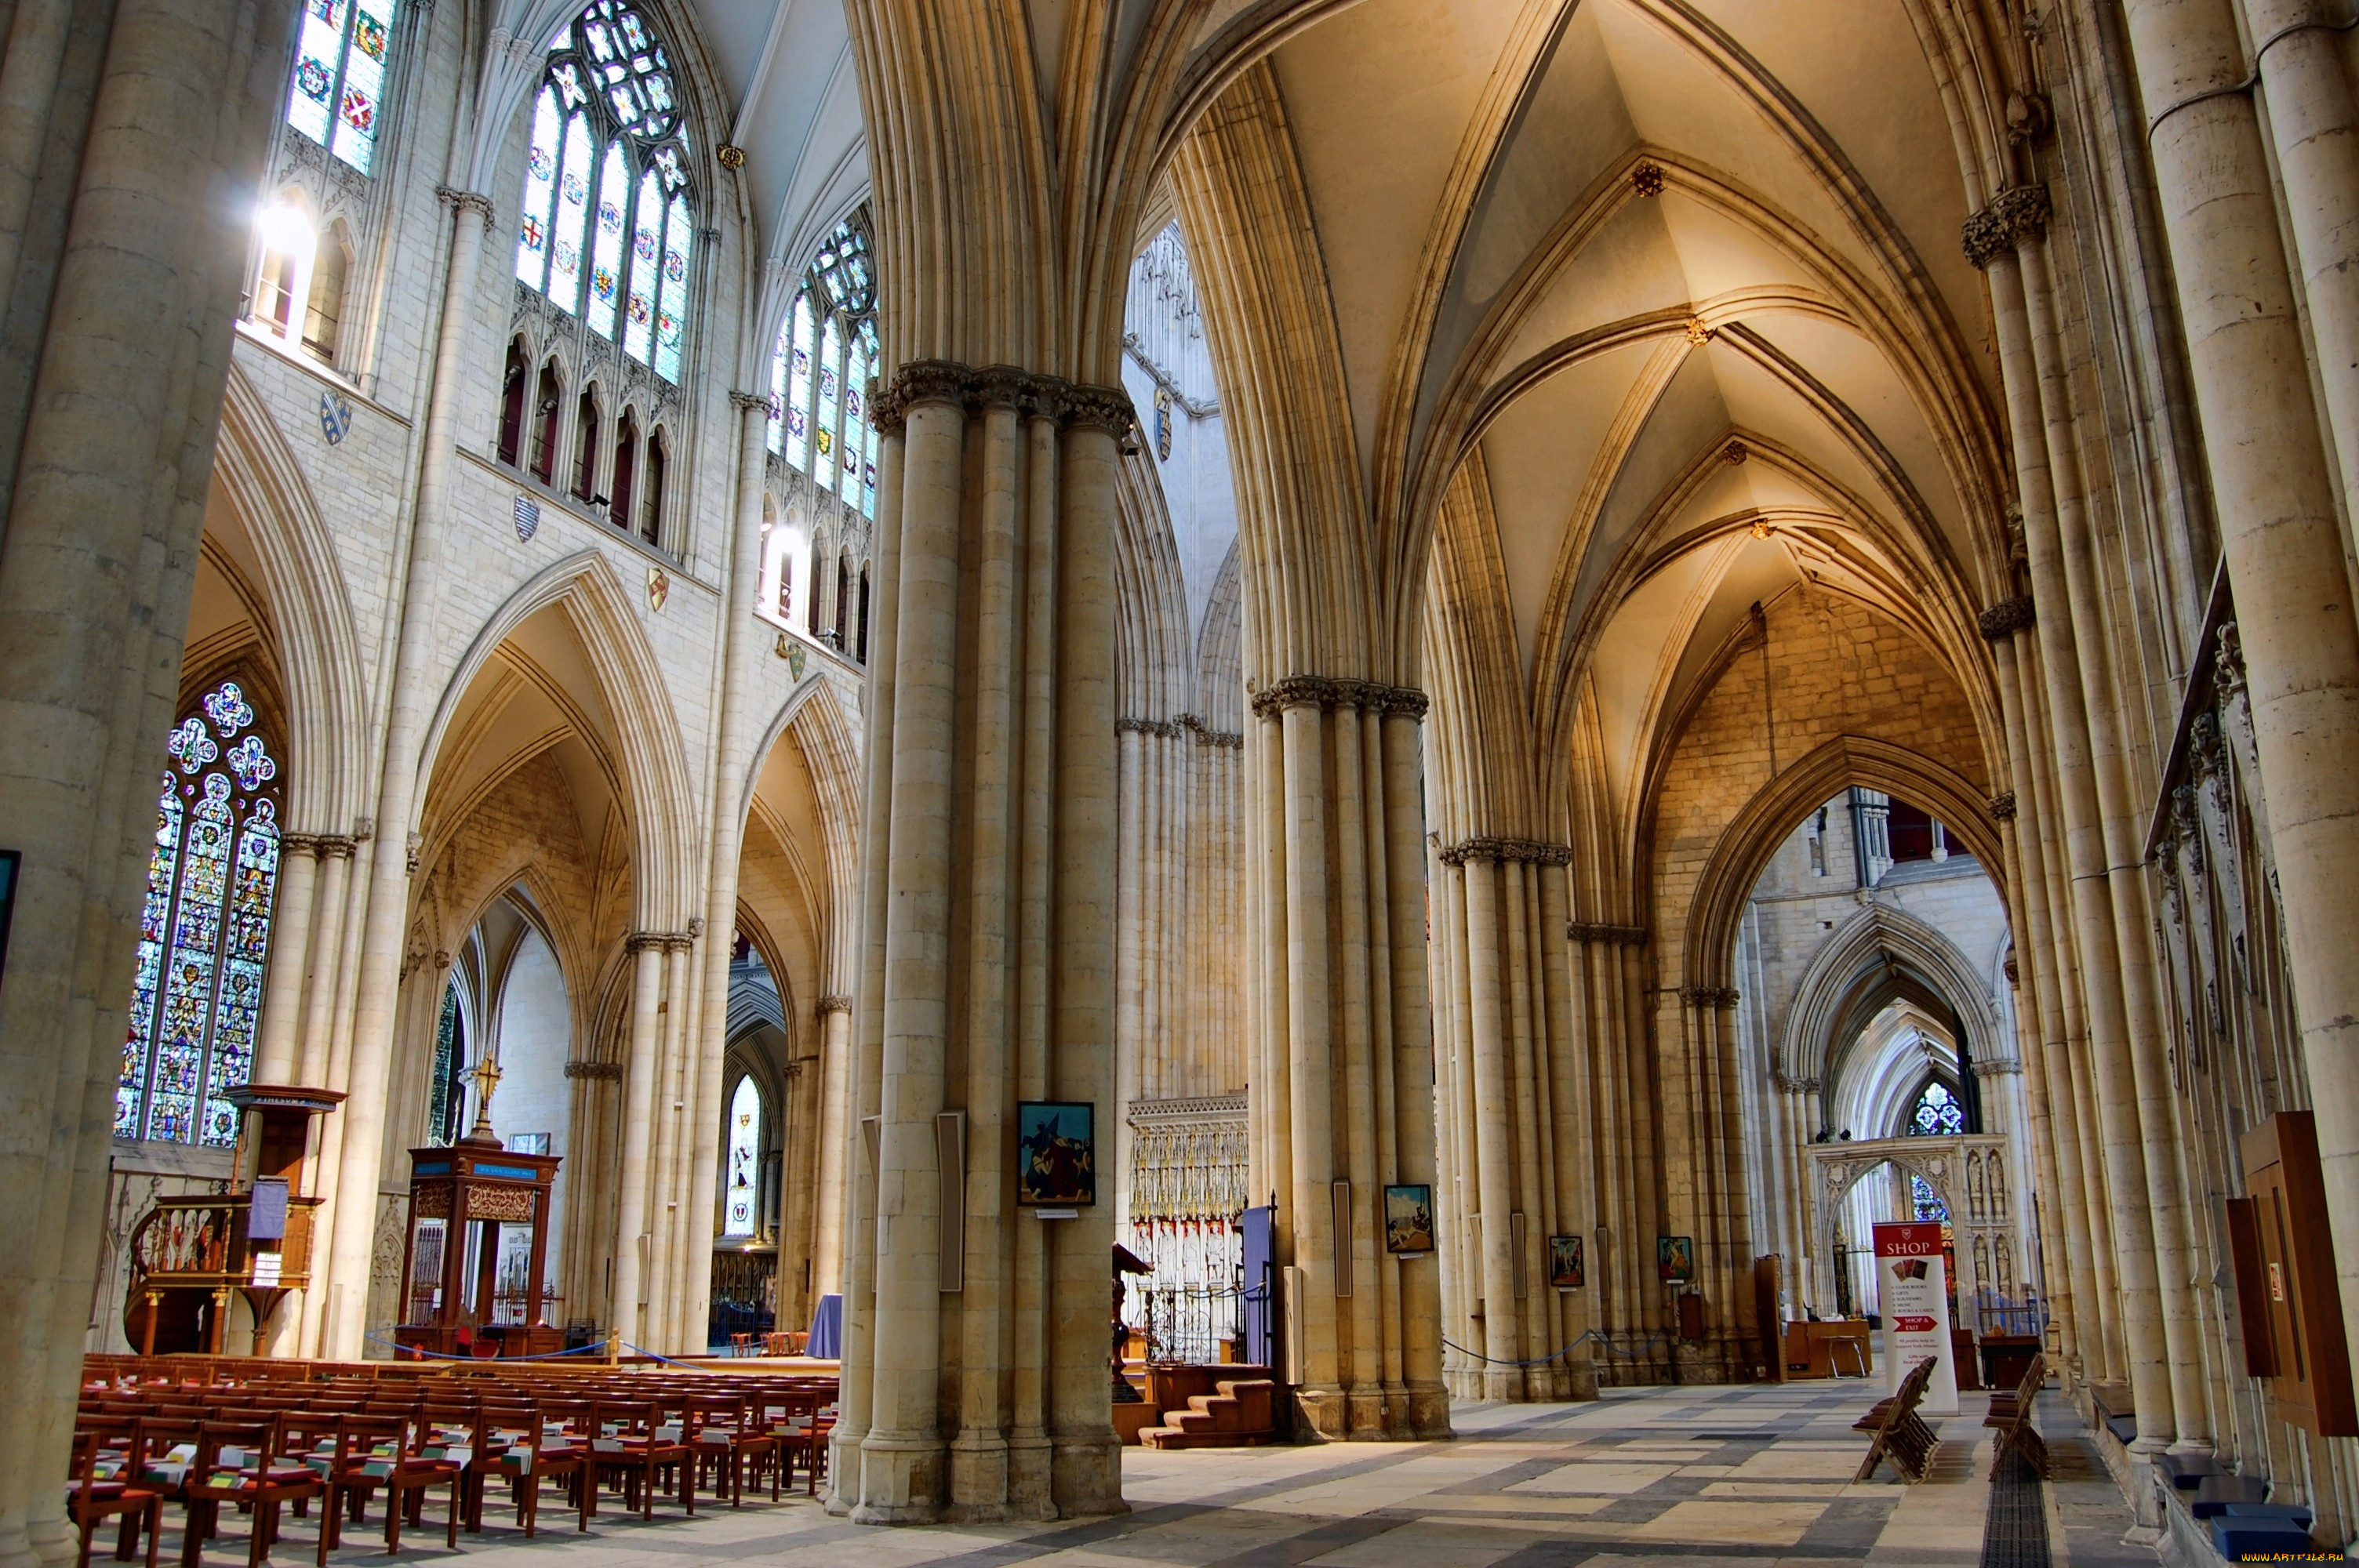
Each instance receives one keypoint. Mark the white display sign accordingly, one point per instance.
(266, 1267)
(1913, 1294)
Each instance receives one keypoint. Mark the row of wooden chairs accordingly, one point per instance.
(268, 1443)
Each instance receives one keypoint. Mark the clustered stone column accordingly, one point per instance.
(2089, 895)
(1514, 1121)
(131, 145)
(1341, 1075)
(1609, 985)
(975, 1380)
(2271, 480)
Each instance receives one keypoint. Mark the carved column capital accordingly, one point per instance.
(2005, 617)
(596, 1072)
(2013, 219)
(747, 402)
(831, 1003)
(1329, 692)
(647, 941)
(1607, 933)
(335, 847)
(1708, 996)
(474, 202)
(1106, 408)
(1525, 851)
(2002, 805)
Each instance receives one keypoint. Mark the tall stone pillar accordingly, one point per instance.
(835, 1125)
(2275, 500)
(1507, 1047)
(119, 354)
(632, 1242)
(2008, 239)
(416, 655)
(975, 1360)
(290, 943)
(1344, 996)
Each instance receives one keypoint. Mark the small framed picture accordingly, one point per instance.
(1409, 1218)
(1567, 1269)
(1675, 1259)
(1056, 1153)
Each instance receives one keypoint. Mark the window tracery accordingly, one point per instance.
(1935, 1114)
(606, 227)
(204, 930)
(337, 95)
(820, 369)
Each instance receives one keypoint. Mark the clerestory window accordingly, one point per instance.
(608, 220)
(337, 98)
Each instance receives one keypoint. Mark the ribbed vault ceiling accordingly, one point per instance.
(1507, 294)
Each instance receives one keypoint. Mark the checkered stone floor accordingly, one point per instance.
(1644, 1478)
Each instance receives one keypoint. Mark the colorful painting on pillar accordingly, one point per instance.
(1056, 1154)
(1567, 1271)
(1409, 1218)
(1675, 1259)
(204, 931)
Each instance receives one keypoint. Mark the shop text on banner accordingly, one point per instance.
(1913, 1294)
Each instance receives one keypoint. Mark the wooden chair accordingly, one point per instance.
(640, 1451)
(729, 1432)
(239, 1461)
(1896, 1431)
(92, 1499)
(530, 1455)
(374, 1451)
(2010, 1417)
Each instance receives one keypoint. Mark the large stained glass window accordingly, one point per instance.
(741, 1201)
(1924, 1203)
(607, 225)
(338, 96)
(819, 370)
(1935, 1114)
(204, 932)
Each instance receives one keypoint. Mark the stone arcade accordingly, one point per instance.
(1540, 658)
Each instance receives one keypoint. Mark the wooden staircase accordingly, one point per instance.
(1239, 1413)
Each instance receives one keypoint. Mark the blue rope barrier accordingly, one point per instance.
(447, 1356)
(1555, 1355)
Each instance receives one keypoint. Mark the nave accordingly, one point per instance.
(1500, 702)
(1664, 1477)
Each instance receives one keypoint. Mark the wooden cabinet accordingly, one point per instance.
(2285, 1278)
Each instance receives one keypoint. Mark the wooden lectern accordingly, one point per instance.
(472, 1273)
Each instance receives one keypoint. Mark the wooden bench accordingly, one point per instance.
(1896, 1431)
(2010, 1417)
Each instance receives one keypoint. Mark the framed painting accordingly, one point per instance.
(1567, 1271)
(1675, 1259)
(1409, 1218)
(1056, 1153)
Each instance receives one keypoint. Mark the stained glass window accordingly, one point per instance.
(447, 1098)
(819, 370)
(204, 930)
(741, 1201)
(605, 197)
(338, 93)
(1922, 1199)
(1937, 1113)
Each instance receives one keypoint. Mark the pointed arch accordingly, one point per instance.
(1849, 978)
(1760, 825)
(315, 636)
(666, 818)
